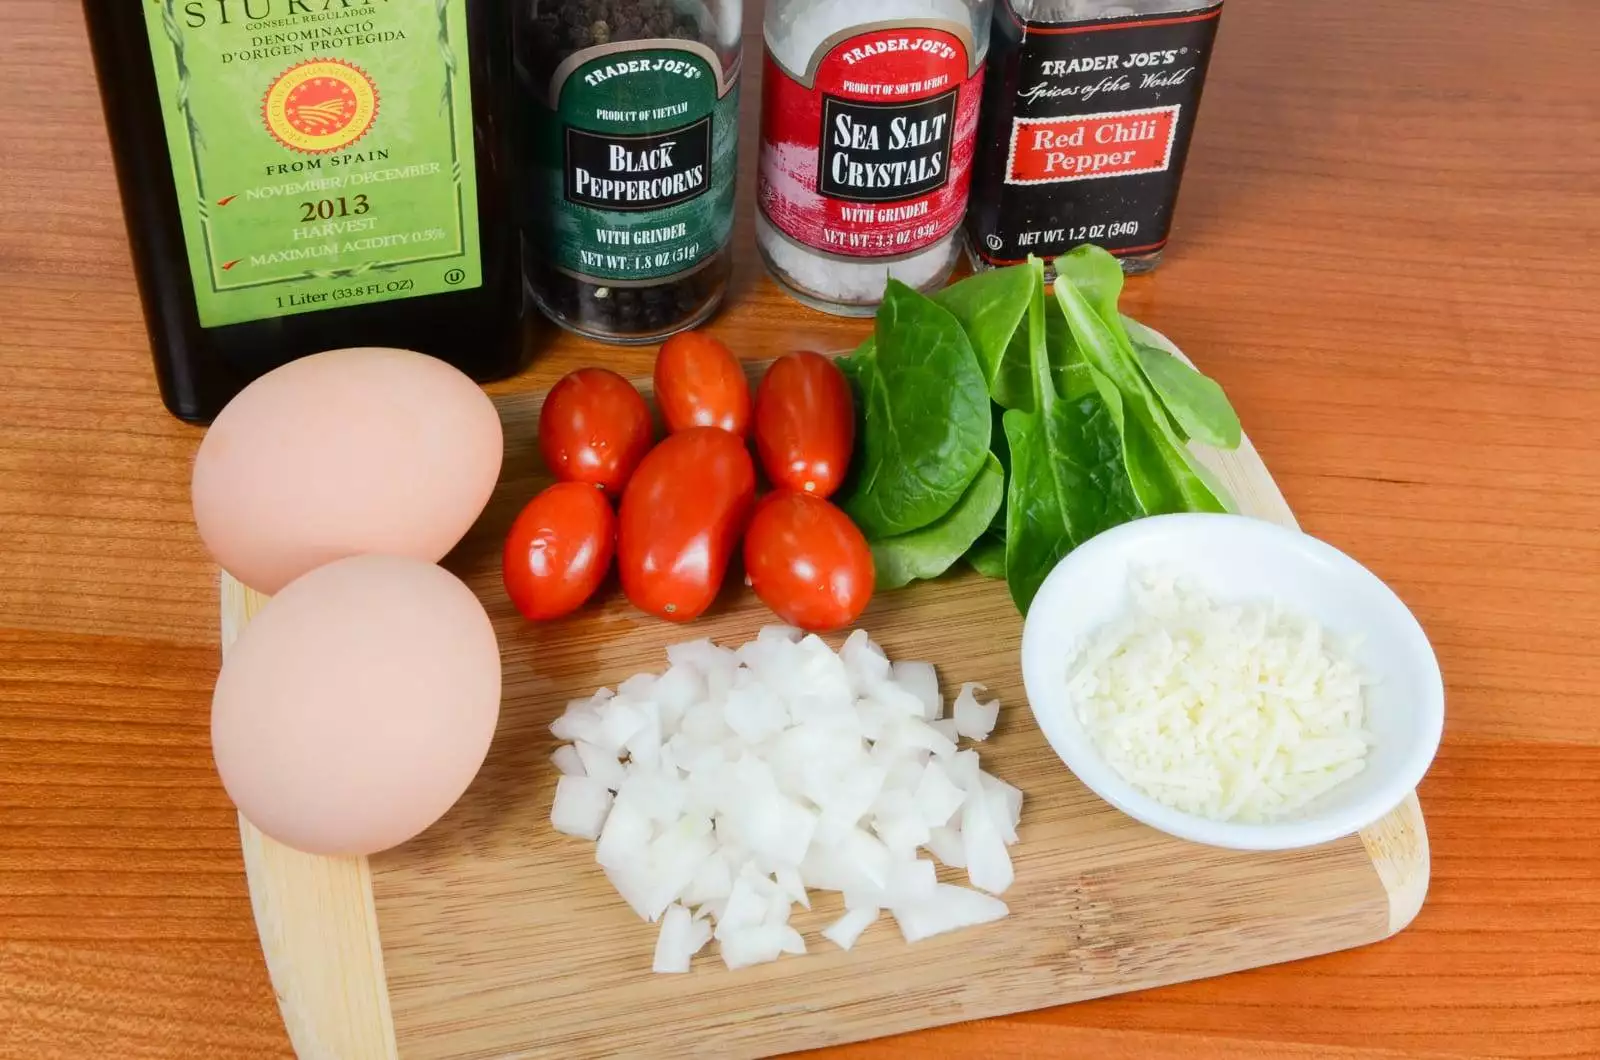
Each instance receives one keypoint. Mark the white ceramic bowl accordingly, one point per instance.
(1238, 558)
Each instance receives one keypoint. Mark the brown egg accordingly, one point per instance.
(343, 454)
(355, 709)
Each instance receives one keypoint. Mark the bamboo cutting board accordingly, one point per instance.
(492, 936)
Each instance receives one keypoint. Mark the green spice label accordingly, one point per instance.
(322, 149)
(638, 153)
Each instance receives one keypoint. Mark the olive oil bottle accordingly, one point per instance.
(302, 175)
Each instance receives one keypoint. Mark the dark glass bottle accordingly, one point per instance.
(313, 175)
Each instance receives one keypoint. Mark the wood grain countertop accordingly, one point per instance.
(1388, 250)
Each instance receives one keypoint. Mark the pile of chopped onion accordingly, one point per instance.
(1233, 712)
(725, 789)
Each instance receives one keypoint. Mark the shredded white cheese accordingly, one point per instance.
(1236, 712)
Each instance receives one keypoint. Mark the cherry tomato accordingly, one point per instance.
(594, 428)
(805, 424)
(682, 514)
(807, 561)
(699, 384)
(559, 550)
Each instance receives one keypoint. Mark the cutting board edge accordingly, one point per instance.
(317, 922)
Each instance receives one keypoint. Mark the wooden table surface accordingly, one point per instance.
(1388, 250)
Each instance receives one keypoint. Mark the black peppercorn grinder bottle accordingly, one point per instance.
(301, 177)
(628, 114)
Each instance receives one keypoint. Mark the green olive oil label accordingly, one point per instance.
(637, 149)
(322, 151)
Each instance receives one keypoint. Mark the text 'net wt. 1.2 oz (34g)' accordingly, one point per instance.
(869, 119)
(1088, 113)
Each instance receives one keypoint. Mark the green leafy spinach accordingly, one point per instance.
(934, 549)
(925, 417)
(1069, 477)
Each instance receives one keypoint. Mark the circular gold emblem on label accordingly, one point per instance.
(321, 105)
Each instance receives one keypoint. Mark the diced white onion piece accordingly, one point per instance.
(988, 864)
(747, 907)
(659, 797)
(759, 944)
(975, 720)
(639, 688)
(580, 808)
(567, 762)
(844, 932)
(788, 877)
(792, 941)
(906, 773)
(909, 881)
(753, 713)
(867, 857)
(946, 845)
(713, 881)
(600, 764)
(946, 727)
(902, 831)
(581, 721)
(921, 680)
(936, 795)
(634, 882)
(626, 835)
(644, 746)
(864, 662)
(680, 939)
(964, 769)
(622, 718)
(1006, 802)
(950, 908)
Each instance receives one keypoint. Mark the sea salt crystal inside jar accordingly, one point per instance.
(868, 124)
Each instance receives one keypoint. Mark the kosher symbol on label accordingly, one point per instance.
(320, 106)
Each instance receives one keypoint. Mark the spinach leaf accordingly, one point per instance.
(1088, 286)
(1069, 479)
(929, 552)
(1068, 369)
(992, 307)
(1198, 404)
(925, 427)
(1068, 484)
(1166, 477)
(988, 556)
(1002, 452)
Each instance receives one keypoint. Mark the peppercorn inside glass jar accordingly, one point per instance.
(869, 121)
(629, 113)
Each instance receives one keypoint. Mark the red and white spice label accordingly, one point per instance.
(1115, 144)
(868, 153)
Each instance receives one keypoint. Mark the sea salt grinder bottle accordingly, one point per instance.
(869, 120)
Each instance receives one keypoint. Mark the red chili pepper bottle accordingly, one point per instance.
(1088, 114)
